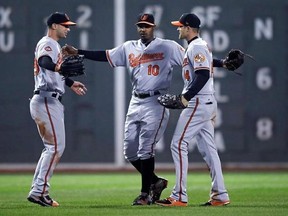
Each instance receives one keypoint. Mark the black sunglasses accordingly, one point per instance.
(66, 26)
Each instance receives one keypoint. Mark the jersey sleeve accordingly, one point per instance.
(199, 58)
(46, 49)
(117, 56)
(177, 54)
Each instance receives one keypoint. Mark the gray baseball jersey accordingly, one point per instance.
(44, 79)
(150, 71)
(197, 121)
(197, 57)
(48, 114)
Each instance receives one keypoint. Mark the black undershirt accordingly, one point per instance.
(94, 55)
(101, 56)
(200, 79)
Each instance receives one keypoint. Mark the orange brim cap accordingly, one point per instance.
(68, 23)
(176, 23)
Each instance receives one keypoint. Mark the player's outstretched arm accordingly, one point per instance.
(218, 63)
(88, 54)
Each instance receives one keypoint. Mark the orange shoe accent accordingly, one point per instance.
(171, 202)
(216, 203)
(55, 203)
(43, 200)
(220, 203)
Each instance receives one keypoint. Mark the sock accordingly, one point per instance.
(137, 164)
(154, 178)
(147, 171)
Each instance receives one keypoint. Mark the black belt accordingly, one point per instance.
(37, 92)
(145, 95)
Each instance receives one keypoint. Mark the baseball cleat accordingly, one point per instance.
(43, 200)
(171, 202)
(157, 188)
(142, 200)
(216, 203)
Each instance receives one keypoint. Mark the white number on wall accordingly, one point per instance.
(83, 20)
(264, 128)
(263, 78)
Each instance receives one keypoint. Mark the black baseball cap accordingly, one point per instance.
(146, 18)
(59, 18)
(188, 19)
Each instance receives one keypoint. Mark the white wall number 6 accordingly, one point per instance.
(263, 78)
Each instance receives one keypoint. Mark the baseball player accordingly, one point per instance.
(197, 120)
(150, 62)
(46, 108)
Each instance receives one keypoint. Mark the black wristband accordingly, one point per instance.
(69, 82)
(217, 63)
(80, 52)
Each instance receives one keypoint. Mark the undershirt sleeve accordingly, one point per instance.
(217, 63)
(197, 84)
(94, 55)
(47, 63)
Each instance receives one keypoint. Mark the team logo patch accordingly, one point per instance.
(144, 17)
(48, 48)
(199, 58)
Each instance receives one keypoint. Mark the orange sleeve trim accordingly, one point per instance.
(202, 68)
(109, 59)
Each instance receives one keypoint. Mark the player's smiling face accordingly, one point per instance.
(60, 31)
(146, 32)
(64, 29)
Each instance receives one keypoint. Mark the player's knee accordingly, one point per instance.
(130, 151)
(174, 146)
(52, 149)
(145, 155)
(60, 150)
(131, 157)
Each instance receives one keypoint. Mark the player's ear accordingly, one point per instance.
(54, 26)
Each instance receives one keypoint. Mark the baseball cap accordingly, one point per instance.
(146, 18)
(59, 18)
(188, 19)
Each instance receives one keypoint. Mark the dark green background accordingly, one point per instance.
(90, 119)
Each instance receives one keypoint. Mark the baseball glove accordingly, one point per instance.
(72, 66)
(171, 101)
(235, 59)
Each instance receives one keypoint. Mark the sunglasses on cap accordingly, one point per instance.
(66, 26)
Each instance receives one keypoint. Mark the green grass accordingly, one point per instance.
(111, 194)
